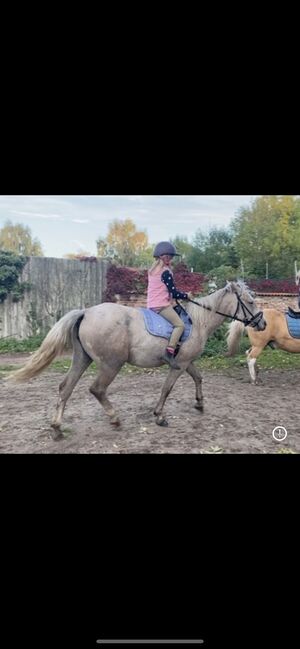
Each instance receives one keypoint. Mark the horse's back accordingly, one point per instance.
(276, 329)
(106, 330)
(276, 321)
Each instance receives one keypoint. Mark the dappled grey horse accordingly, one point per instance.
(111, 335)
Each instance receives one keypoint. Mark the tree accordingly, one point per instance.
(185, 249)
(10, 270)
(77, 255)
(268, 231)
(18, 239)
(213, 250)
(124, 243)
(223, 274)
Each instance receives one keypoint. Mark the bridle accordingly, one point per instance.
(248, 322)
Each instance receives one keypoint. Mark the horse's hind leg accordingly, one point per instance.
(98, 389)
(80, 362)
(196, 376)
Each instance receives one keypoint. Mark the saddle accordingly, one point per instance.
(292, 313)
(156, 325)
(293, 323)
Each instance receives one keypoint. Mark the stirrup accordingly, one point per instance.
(169, 358)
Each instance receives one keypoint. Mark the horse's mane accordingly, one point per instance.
(212, 301)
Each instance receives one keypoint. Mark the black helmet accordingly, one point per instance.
(164, 248)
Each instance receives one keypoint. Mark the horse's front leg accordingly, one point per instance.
(251, 361)
(197, 378)
(166, 389)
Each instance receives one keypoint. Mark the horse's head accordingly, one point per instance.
(246, 308)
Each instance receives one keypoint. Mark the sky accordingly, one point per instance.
(72, 224)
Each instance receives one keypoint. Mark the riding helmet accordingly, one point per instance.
(165, 248)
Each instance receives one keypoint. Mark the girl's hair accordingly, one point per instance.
(158, 262)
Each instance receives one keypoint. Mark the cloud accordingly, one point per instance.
(78, 244)
(80, 220)
(38, 214)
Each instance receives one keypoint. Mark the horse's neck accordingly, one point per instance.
(214, 319)
(207, 316)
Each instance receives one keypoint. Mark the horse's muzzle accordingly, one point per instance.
(257, 322)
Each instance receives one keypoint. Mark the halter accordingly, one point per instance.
(248, 322)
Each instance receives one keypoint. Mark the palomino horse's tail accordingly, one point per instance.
(57, 340)
(234, 337)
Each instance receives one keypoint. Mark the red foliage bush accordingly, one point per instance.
(186, 281)
(125, 282)
(273, 285)
(132, 282)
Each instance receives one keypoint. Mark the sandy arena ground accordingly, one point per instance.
(237, 417)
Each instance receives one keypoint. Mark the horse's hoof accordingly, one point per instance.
(160, 421)
(56, 433)
(199, 406)
(115, 421)
(57, 437)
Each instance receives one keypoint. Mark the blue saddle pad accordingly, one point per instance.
(293, 325)
(159, 326)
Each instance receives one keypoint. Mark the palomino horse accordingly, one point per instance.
(111, 335)
(276, 333)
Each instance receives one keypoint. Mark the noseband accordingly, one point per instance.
(253, 321)
(248, 322)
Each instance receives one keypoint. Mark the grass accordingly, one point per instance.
(212, 359)
(269, 359)
(12, 345)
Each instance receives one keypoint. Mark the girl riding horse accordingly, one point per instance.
(161, 292)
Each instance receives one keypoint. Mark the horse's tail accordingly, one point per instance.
(57, 340)
(234, 337)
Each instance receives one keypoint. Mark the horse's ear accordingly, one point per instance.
(229, 286)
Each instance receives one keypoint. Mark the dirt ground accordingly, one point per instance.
(237, 417)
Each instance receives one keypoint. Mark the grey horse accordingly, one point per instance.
(111, 334)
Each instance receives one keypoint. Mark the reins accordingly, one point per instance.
(252, 322)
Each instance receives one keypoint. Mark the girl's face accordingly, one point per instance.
(166, 259)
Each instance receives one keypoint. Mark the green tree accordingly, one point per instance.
(268, 232)
(213, 250)
(223, 274)
(11, 266)
(18, 239)
(124, 243)
(185, 249)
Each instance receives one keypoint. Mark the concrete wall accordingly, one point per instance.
(57, 286)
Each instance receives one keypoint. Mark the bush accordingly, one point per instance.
(216, 344)
(128, 282)
(11, 266)
(12, 345)
(222, 274)
(273, 285)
